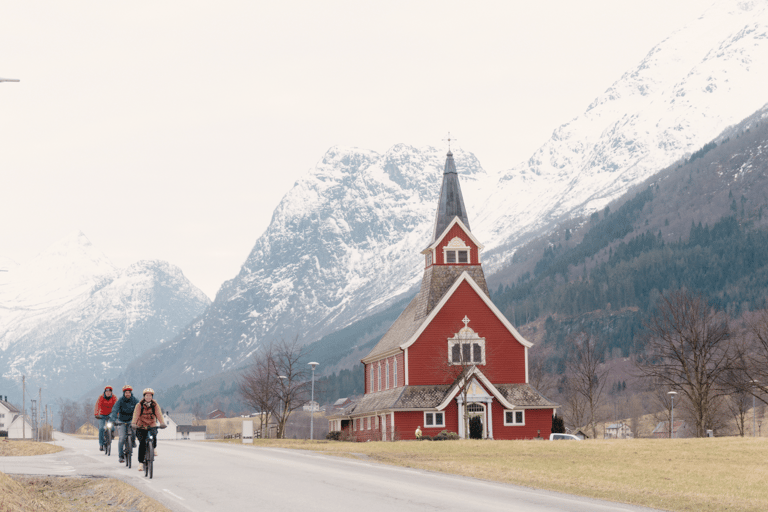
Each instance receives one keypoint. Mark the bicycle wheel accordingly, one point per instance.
(148, 457)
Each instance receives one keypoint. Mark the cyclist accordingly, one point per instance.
(122, 414)
(102, 410)
(146, 416)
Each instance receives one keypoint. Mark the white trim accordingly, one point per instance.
(386, 377)
(514, 415)
(379, 355)
(487, 300)
(394, 372)
(455, 221)
(526, 365)
(475, 373)
(434, 419)
(406, 366)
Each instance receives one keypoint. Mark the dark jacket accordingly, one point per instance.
(123, 409)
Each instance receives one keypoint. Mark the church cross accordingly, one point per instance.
(449, 139)
(466, 321)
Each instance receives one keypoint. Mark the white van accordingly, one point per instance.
(563, 437)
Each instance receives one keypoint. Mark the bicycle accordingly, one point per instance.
(108, 439)
(149, 451)
(128, 444)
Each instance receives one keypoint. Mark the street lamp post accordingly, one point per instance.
(312, 404)
(754, 420)
(282, 407)
(672, 414)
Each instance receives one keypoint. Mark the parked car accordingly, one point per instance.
(563, 437)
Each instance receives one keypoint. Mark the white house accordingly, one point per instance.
(167, 433)
(12, 422)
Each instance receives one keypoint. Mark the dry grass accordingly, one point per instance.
(21, 448)
(680, 474)
(21, 493)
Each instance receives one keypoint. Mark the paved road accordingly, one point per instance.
(199, 476)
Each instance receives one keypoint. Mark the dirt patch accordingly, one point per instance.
(22, 448)
(71, 494)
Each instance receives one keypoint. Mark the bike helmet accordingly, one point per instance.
(149, 390)
(127, 387)
(107, 388)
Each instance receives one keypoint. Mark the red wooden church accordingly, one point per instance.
(451, 358)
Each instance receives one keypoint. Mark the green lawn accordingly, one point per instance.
(680, 474)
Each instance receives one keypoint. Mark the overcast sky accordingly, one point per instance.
(171, 129)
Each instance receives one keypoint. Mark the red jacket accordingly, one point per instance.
(104, 406)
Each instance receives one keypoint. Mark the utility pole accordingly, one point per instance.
(23, 407)
(40, 397)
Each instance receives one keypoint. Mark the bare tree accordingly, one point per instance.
(753, 354)
(688, 350)
(277, 382)
(539, 376)
(587, 374)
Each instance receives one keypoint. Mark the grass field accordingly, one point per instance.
(21, 448)
(680, 474)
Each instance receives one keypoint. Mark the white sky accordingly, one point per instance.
(171, 129)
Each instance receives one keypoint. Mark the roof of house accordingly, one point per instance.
(183, 418)
(8, 406)
(190, 428)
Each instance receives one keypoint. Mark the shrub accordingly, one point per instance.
(334, 435)
(446, 436)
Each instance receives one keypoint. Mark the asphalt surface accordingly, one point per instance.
(203, 476)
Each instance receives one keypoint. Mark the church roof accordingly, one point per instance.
(432, 397)
(451, 202)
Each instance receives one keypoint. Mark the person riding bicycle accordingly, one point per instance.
(146, 416)
(102, 411)
(122, 414)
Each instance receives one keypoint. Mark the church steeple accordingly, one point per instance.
(451, 202)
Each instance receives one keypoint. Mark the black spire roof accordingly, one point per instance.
(451, 202)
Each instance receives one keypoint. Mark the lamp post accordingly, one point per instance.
(282, 406)
(672, 414)
(312, 404)
(754, 421)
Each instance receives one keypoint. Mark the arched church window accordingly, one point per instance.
(466, 347)
(457, 251)
(475, 408)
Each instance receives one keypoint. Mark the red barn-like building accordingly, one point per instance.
(451, 361)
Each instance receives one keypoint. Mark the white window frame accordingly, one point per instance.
(394, 372)
(429, 258)
(433, 415)
(369, 421)
(379, 375)
(386, 378)
(456, 246)
(377, 421)
(514, 418)
(466, 336)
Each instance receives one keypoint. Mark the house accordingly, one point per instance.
(341, 403)
(13, 422)
(20, 428)
(184, 428)
(680, 430)
(86, 429)
(216, 414)
(191, 432)
(451, 358)
(618, 431)
(311, 406)
(168, 433)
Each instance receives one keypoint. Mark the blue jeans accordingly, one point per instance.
(122, 431)
(102, 421)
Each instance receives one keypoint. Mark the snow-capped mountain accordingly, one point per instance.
(348, 230)
(69, 319)
(708, 75)
(346, 239)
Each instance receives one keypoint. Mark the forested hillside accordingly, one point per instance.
(698, 225)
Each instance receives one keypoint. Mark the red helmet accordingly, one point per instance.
(108, 388)
(127, 387)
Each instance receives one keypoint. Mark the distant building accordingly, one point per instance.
(680, 430)
(12, 421)
(341, 403)
(618, 431)
(216, 414)
(311, 406)
(183, 428)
